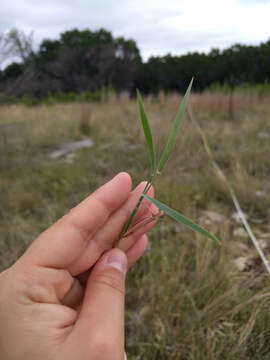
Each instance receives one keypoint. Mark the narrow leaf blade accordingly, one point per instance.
(174, 134)
(181, 218)
(147, 132)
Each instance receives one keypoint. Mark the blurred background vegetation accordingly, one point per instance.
(187, 298)
(92, 63)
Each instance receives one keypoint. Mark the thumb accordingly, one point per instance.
(102, 315)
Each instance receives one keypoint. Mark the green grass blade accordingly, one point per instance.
(174, 134)
(180, 218)
(147, 132)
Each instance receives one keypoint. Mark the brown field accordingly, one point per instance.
(187, 298)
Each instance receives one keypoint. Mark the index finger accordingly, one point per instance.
(64, 242)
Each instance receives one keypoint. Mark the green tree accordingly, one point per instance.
(88, 60)
(13, 70)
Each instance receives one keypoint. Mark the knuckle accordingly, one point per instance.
(62, 276)
(112, 279)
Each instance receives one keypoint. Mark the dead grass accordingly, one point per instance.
(186, 299)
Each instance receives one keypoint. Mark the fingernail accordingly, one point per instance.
(117, 259)
(120, 174)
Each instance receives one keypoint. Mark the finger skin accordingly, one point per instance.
(75, 295)
(137, 250)
(65, 241)
(71, 244)
(46, 309)
(103, 306)
(127, 242)
(78, 271)
(108, 234)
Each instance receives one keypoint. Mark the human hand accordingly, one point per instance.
(64, 298)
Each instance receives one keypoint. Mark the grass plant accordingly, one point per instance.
(158, 166)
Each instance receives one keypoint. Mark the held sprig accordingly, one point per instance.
(158, 166)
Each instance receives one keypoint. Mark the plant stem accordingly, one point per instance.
(135, 210)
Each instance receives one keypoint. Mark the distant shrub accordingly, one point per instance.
(29, 101)
(263, 89)
(89, 96)
(246, 88)
(85, 96)
(219, 88)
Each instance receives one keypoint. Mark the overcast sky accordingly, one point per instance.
(158, 26)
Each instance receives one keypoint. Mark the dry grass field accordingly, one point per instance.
(187, 298)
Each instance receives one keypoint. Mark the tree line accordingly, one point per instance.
(88, 61)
